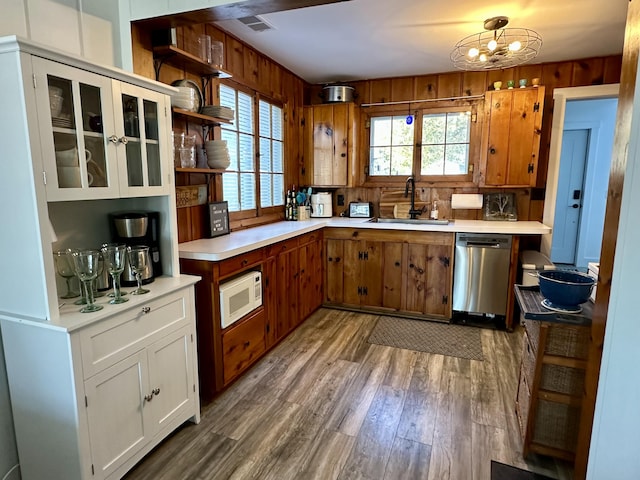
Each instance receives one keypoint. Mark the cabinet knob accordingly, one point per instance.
(124, 140)
(156, 391)
(492, 151)
(113, 139)
(246, 344)
(146, 309)
(149, 397)
(343, 155)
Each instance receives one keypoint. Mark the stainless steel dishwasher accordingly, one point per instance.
(481, 273)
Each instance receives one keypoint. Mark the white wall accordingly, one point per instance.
(616, 427)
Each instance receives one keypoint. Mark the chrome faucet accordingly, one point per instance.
(413, 212)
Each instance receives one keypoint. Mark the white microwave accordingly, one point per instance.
(240, 296)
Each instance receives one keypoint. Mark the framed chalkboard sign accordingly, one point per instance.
(218, 219)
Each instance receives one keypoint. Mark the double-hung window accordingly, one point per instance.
(254, 180)
(430, 144)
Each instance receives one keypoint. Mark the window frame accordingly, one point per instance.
(475, 138)
(255, 215)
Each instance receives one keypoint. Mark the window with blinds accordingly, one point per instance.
(256, 147)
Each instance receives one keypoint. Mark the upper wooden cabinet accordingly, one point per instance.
(329, 144)
(511, 138)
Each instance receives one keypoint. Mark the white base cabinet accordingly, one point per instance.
(92, 401)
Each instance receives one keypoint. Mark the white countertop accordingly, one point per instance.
(243, 241)
(71, 319)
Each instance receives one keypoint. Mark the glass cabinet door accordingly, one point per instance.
(78, 155)
(144, 123)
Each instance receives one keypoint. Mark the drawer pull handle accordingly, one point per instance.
(146, 309)
(149, 397)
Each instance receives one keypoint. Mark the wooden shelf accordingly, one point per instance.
(183, 59)
(206, 171)
(204, 119)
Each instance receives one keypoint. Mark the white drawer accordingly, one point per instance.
(114, 339)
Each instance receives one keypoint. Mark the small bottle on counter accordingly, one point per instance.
(288, 209)
(434, 211)
(294, 203)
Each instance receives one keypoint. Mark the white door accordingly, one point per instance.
(171, 376)
(575, 145)
(117, 413)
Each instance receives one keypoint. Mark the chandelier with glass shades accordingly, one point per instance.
(497, 47)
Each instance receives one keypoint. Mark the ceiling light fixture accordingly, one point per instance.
(497, 47)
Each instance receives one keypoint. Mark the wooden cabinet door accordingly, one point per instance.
(287, 281)
(439, 280)
(118, 414)
(513, 122)
(524, 137)
(498, 123)
(327, 144)
(334, 270)
(352, 289)
(370, 258)
(171, 376)
(416, 278)
(242, 344)
(310, 285)
(392, 275)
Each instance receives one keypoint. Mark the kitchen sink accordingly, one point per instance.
(415, 221)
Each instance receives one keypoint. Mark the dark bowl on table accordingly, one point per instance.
(565, 288)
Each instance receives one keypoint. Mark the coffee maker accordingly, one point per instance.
(138, 228)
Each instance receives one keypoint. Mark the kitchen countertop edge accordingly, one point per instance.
(243, 241)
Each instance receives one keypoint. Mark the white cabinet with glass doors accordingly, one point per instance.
(100, 138)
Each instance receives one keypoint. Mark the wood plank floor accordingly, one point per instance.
(325, 404)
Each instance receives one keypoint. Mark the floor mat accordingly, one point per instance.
(426, 336)
(500, 471)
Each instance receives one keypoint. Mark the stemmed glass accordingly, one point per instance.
(86, 263)
(114, 257)
(65, 268)
(138, 261)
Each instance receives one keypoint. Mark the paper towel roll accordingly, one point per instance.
(466, 201)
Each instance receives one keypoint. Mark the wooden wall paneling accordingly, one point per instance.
(142, 55)
(529, 72)
(474, 83)
(402, 88)
(426, 87)
(622, 134)
(588, 71)
(264, 75)
(250, 77)
(362, 91)
(496, 76)
(612, 68)
(234, 57)
(275, 81)
(380, 90)
(554, 75)
(449, 85)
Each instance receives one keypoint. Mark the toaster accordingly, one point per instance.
(360, 209)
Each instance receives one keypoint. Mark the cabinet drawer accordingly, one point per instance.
(286, 246)
(240, 262)
(242, 344)
(113, 339)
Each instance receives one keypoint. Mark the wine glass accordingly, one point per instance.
(65, 268)
(139, 262)
(114, 257)
(86, 262)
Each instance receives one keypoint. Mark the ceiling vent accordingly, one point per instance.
(256, 23)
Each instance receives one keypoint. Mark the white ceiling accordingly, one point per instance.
(360, 39)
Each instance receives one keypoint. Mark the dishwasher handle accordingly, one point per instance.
(483, 245)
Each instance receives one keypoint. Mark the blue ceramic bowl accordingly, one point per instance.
(565, 288)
